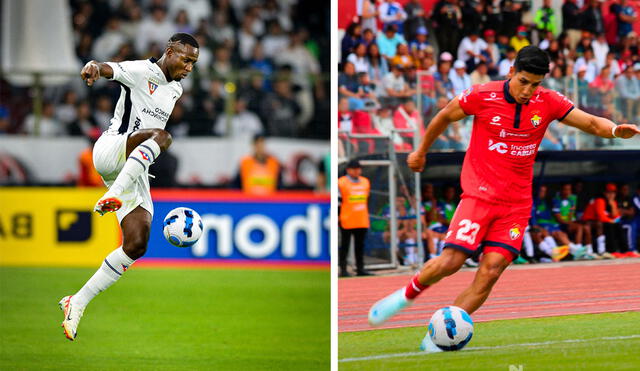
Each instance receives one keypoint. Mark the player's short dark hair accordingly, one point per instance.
(184, 39)
(533, 60)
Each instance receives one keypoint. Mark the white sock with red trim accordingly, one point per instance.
(113, 266)
(138, 162)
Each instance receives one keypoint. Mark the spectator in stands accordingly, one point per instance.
(109, 42)
(66, 110)
(306, 70)
(85, 123)
(403, 57)
(392, 13)
(349, 87)
(472, 50)
(480, 75)
(492, 51)
(103, 112)
(247, 37)
(280, 110)
(396, 88)
(416, 19)
(600, 50)
(444, 86)
(240, 124)
(627, 215)
(359, 58)
(545, 20)
(345, 127)
(388, 41)
(367, 91)
(419, 43)
(276, 40)
(353, 193)
(626, 16)
(555, 81)
(589, 62)
(592, 19)
(520, 40)
(181, 21)
(571, 22)
(448, 17)
(259, 173)
(351, 38)
(602, 213)
(156, 28)
(368, 37)
(452, 138)
(369, 16)
(564, 213)
(613, 64)
(132, 18)
(628, 90)
(378, 67)
(547, 38)
(506, 63)
(512, 16)
(48, 125)
(459, 78)
(472, 17)
(407, 117)
(603, 85)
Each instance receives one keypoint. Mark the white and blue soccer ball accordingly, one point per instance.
(182, 227)
(451, 328)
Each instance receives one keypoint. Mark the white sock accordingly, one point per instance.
(528, 245)
(589, 249)
(602, 247)
(115, 264)
(550, 241)
(545, 247)
(138, 162)
(573, 247)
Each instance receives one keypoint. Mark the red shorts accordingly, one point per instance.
(489, 227)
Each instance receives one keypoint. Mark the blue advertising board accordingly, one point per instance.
(287, 227)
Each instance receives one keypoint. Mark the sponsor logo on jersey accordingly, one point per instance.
(498, 146)
(514, 232)
(495, 121)
(492, 96)
(504, 134)
(153, 85)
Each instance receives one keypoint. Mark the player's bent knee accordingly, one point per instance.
(163, 138)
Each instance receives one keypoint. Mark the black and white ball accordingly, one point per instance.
(182, 227)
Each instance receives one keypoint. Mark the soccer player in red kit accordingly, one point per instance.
(510, 119)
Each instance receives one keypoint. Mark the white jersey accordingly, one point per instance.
(146, 97)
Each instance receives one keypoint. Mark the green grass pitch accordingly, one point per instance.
(168, 319)
(507, 345)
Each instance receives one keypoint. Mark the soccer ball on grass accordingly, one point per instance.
(451, 328)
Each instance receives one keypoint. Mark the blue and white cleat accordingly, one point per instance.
(428, 346)
(385, 308)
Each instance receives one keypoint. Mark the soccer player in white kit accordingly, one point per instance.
(123, 154)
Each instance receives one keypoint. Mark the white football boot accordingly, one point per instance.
(385, 308)
(72, 315)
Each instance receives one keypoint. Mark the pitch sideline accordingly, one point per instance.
(413, 354)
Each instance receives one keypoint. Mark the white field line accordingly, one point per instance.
(413, 354)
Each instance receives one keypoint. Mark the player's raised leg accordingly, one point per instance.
(143, 147)
(491, 267)
(433, 271)
(135, 235)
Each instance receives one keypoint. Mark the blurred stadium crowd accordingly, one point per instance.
(263, 68)
(567, 223)
(400, 64)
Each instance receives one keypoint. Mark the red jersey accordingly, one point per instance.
(498, 166)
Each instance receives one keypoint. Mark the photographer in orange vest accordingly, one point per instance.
(354, 216)
(260, 172)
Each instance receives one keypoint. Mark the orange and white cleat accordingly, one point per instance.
(72, 315)
(107, 204)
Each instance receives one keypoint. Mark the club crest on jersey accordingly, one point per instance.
(153, 85)
(536, 119)
(145, 156)
(514, 232)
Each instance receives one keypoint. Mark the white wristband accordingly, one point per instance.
(613, 131)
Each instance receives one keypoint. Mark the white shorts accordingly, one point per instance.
(109, 156)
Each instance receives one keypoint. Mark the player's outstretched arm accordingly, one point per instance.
(451, 113)
(93, 70)
(599, 126)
